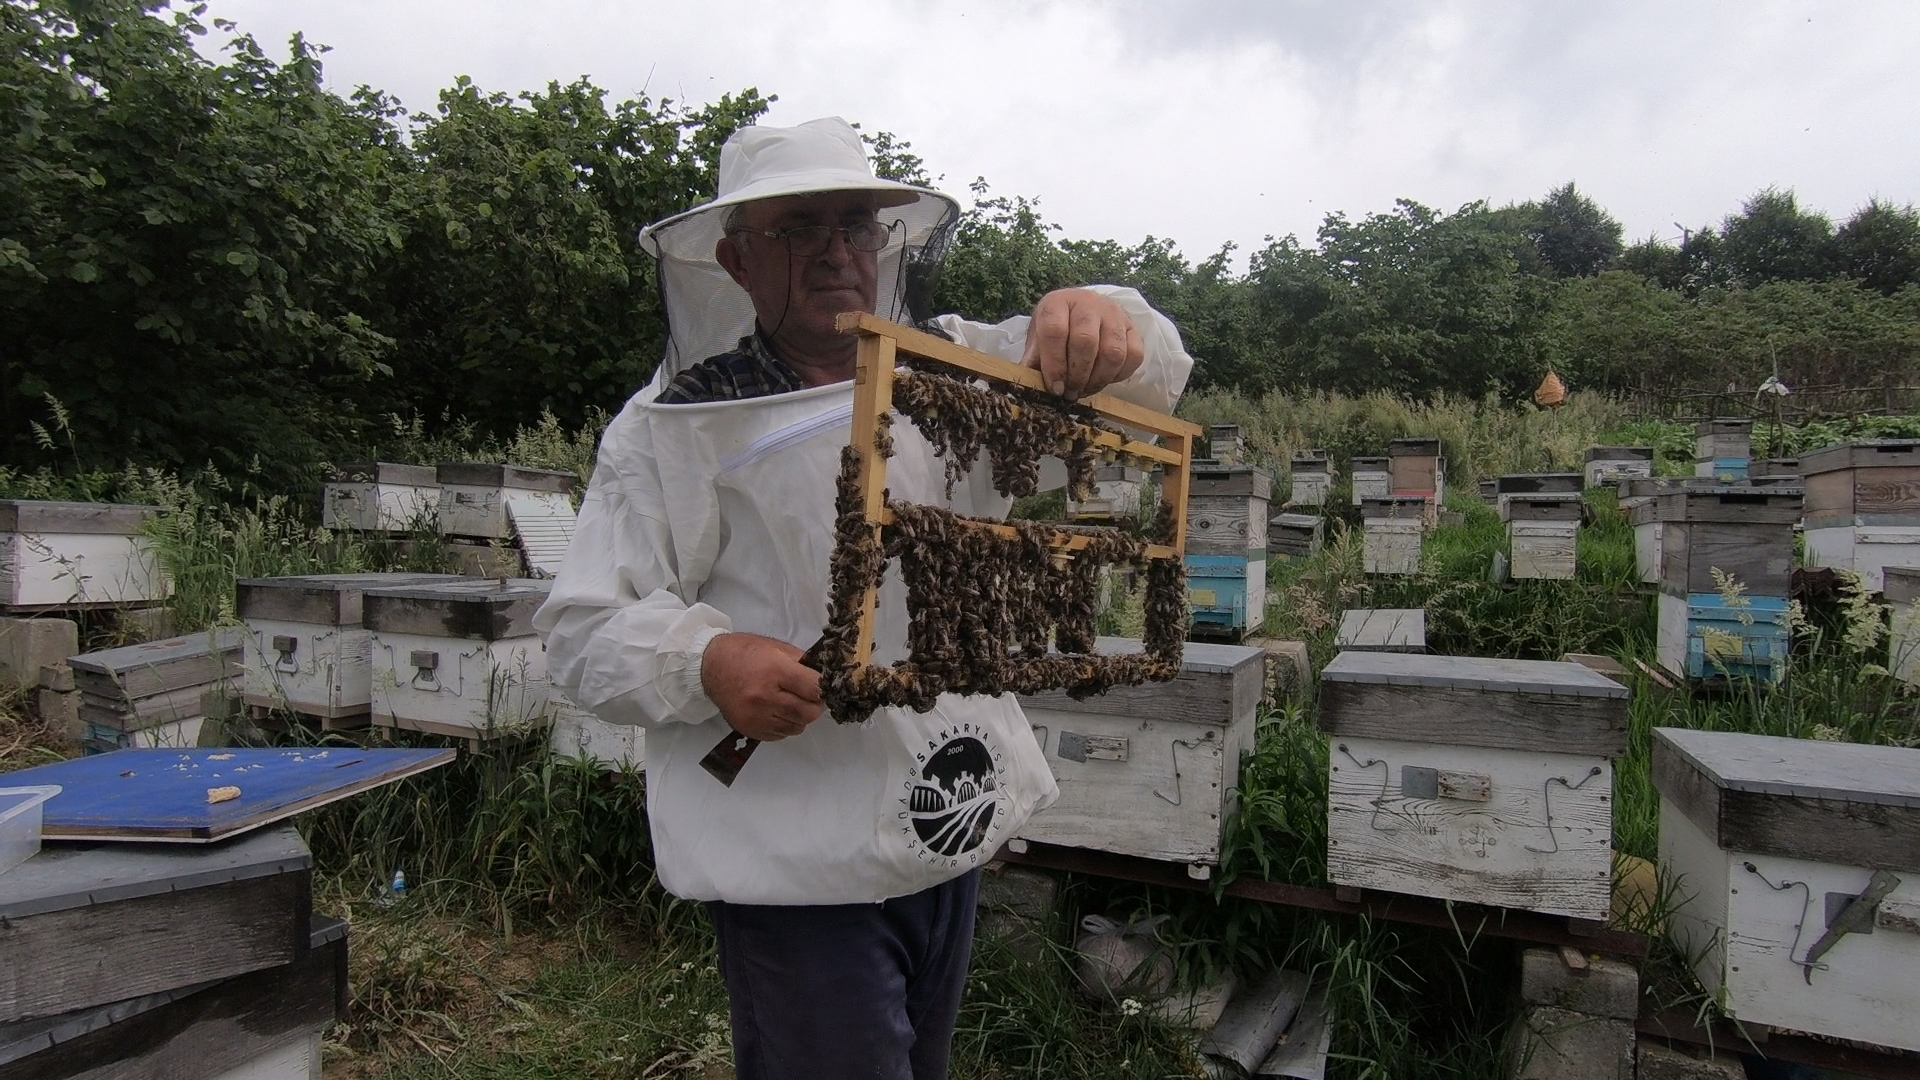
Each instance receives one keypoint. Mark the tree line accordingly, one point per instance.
(222, 262)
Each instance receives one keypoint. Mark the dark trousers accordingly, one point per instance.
(850, 991)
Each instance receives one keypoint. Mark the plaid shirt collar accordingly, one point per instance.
(751, 370)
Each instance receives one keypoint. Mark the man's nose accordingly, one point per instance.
(839, 249)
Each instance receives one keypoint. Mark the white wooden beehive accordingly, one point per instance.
(1544, 532)
(1769, 841)
(1116, 494)
(1372, 479)
(1312, 478)
(1470, 779)
(77, 555)
(1150, 770)
(578, 733)
(1608, 465)
(305, 649)
(1863, 507)
(381, 496)
(1902, 591)
(474, 497)
(459, 657)
(1395, 529)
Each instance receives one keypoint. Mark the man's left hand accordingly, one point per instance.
(1081, 343)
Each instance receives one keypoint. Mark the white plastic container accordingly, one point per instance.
(20, 823)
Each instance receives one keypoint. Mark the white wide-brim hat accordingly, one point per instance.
(707, 313)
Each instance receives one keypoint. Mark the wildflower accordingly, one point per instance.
(1130, 1007)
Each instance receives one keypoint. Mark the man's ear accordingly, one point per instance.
(727, 253)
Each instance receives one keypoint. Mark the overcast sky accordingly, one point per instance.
(1211, 122)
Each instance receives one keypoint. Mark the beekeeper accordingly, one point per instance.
(840, 867)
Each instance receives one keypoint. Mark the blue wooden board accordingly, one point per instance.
(162, 794)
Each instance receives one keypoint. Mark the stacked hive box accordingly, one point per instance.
(1372, 479)
(1468, 779)
(1227, 547)
(484, 505)
(165, 960)
(77, 555)
(1544, 531)
(381, 497)
(1723, 449)
(1116, 495)
(1312, 478)
(1226, 444)
(1863, 507)
(1395, 529)
(1708, 631)
(1505, 487)
(1779, 468)
(1490, 492)
(1416, 470)
(1294, 536)
(150, 694)
(1797, 866)
(307, 649)
(1150, 770)
(1637, 498)
(459, 658)
(1608, 465)
(1901, 585)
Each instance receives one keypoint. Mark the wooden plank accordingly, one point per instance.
(544, 530)
(1255, 1018)
(1757, 555)
(164, 707)
(1225, 524)
(53, 517)
(205, 1033)
(485, 609)
(1446, 715)
(321, 599)
(921, 344)
(78, 957)
(168, 664)
(162, 794)
(872, 399)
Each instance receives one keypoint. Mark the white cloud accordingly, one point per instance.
(1217, 122)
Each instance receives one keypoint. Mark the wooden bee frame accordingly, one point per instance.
(882, 347)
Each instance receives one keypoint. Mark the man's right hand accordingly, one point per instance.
(760, 685)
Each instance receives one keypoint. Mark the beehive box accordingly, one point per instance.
(154, 683)
(1476, 780)
(1611, 464)
(1788, 467)
(1226, 444)
(1416, 469)
(1777, 846)
(1863, 507)
(1372, 479)
(1382, 630)
(1723, 449)
(1505, 487)
(1902, 590)
(1703, 637)
(474, 497)
(1543, 532)
(1648, 532)
(306, 648)
(1312, 478)
(1745, 532)
(576, 732)
(1295, 536)
(1395, 529)
(105, 739)
(1150, 770)
(1227, 547)
(459, 657)
(77, 555)
(1116, 495)
(381, 497)
(1490, 492)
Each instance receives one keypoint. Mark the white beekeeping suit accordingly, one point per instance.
(715, 517)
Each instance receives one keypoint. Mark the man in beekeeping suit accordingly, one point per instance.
(840, 867)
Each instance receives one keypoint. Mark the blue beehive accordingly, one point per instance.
(1726, 641)
(1726, 565)
(1227, 547)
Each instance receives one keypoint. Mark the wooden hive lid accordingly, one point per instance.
(1902, 584)
(487, 609)
(1295, 521)
(1217, 684)
(386, 472)
(493, 474)
(1310, 456)
(1371, 464)
(1866, 454)
(64, 878)
(1832, 802)
(1725, 425)
(1213, 479)
(1413, 447)
(1535, 705)
(1620, 453)
(1544, 506)
(1513, 483)
(169, 664)
(1407, 507)
(1735, 503)
(324, 599)
(49, 516)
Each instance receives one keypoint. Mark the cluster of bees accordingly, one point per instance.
(985, 607)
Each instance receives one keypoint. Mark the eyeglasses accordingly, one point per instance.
(811, 241)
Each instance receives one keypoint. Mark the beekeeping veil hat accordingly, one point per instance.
(707, 313)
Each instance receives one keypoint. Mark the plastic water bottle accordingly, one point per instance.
(399, 887)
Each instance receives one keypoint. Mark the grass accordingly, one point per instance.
(534, 941)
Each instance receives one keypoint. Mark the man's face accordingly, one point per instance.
(797, 297)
